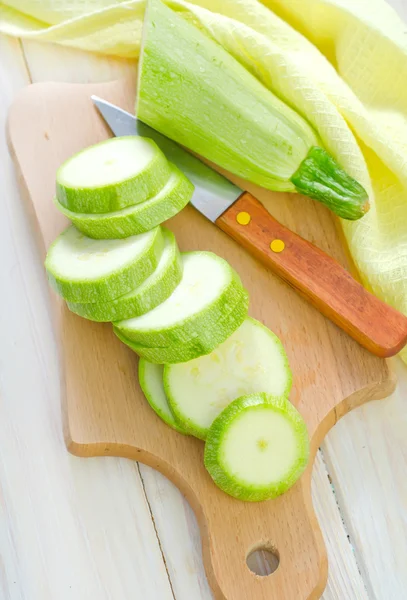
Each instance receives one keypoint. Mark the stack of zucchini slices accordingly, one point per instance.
(206, 368)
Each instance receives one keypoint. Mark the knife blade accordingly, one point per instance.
(323, 281)
(213, 193)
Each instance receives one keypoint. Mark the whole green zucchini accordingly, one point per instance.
(193, 91)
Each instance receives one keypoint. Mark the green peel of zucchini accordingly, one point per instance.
(141, 217)
(152, 291)
(82, 269)
(111, 175)
(151, 382)
(209, 289)
(257, 448)
(203, 341)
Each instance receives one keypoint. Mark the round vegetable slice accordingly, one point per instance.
(202, 343)
(151, 382)
(251, 360)
(81, 269)
(144, 216)
(161, 356)
(111, 175)
(154, 290)
(257, 447)
(208, 289)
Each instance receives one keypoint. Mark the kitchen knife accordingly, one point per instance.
(323, 281)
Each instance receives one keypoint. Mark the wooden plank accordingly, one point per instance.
(366, 454)
(344, 579)
(164, 507)
(400, 6)
(179, 536)
(67, 526)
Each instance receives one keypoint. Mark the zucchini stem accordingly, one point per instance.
(319, 176)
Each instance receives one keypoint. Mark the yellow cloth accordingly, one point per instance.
(340, 63)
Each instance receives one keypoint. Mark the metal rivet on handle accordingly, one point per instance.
(243, 218)
(277, 246)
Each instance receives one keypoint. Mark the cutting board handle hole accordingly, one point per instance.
(263, 560)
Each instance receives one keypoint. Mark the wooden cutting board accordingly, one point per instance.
(106, 413)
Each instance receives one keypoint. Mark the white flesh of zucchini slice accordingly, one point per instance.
(154, 290)
(251, 360)
(144, 216)
(109, 176)
(201, 343)
(257, 448)
(209, 288)
(81, 269)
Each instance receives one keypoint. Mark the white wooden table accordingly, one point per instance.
(105, 528)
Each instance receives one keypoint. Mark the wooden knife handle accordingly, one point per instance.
(321, 279)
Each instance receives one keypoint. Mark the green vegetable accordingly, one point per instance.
(257, 448)
(144, 216)
(109, 176)
(203, 341)
(320, 177)
(81, 269)
(151, 382)
(251, 360)
(193, 91)
(162, 356)
(209, 289)
(154, 290)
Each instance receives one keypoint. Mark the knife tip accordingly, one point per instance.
(96, 99)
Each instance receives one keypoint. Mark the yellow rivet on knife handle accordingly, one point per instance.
(243, 218)
(277, 246)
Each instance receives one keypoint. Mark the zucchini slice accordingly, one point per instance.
(251, 360)
(154, 290)
(201, 343)
(109, 176)
(209, 288)
(84, 270)
(144, 216)
(151, 382)
(257, 448)
(161, 356)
